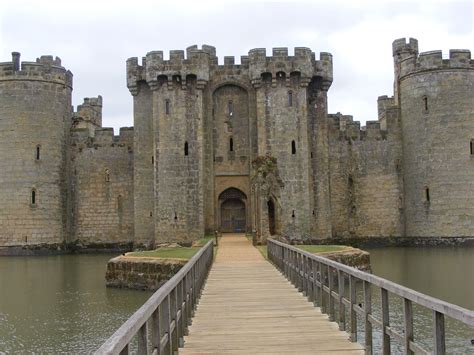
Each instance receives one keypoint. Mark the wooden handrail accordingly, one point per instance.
(168, 311)
(314, 275)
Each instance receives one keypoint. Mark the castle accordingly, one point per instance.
(247, 147)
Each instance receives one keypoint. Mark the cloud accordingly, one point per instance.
(95, 38)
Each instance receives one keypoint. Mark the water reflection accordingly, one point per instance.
(444, 273)
(60, 303)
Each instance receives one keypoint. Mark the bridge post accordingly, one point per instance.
(367, 312)
(353, 315)
(408, 318)
(342, 313)
(385, 322)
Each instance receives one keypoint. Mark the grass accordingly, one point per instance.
(184, 253)
(313, 249)
(167, 253)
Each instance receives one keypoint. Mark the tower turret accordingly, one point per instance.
(35, 120)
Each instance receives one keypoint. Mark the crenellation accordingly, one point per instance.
(280, 52)
(459, 58)
(229, 61)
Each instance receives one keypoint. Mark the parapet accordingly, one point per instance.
(400, 47)
(45, 68)
(199, 64)
(432, 60)
(102, 137)
(304, 62)
(156, 71)
(344, 127)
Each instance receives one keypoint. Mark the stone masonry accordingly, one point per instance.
(188, 166)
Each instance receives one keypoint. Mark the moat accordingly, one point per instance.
(61, 304)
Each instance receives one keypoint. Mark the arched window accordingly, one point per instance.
(33, 197)
(38, 152)
(186, 148)
(293, 147)
(231, 144)
(290, 98)
(167, 107)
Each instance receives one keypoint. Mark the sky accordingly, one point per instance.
(94, 38)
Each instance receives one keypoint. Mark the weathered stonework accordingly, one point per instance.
(185, 167)
(141, 273)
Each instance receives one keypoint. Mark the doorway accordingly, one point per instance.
(271, 217)
(233, 216)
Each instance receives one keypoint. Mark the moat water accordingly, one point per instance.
(54, 304)
(60, 303)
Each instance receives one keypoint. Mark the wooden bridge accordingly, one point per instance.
(248, 307)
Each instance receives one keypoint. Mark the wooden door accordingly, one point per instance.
(233, 216)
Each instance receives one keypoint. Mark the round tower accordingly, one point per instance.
(35, 120)
(437, 116)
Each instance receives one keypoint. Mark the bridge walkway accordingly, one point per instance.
(248, 307)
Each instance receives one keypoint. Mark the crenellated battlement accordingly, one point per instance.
(344, 127)
(90, 111)
(102, 137)
(411, 62)
(197, 65)
(304, 62)
(45, 68)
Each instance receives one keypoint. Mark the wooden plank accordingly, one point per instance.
(248, 307)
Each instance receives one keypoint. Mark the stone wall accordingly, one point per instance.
(35, 119)
(365, 179)
(141, 273)
(437, 110)
(102, 182)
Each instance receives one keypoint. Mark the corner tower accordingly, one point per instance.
(35, 121)
(437, 116)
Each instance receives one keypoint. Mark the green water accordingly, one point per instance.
(60, 303)
(444, 273)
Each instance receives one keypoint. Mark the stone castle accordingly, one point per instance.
(247, 147)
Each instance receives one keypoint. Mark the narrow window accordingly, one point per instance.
(293, 214)
(425, 104)
(427, 194)
(230, 108)
(107, 175)
(293, 147)
(38, 149)
(290, 98)
(175, 216)
(167, 107)
(119, 204)
(33, 197)
(472, 147)
(152, 160)
(231, 145)
(186, 149)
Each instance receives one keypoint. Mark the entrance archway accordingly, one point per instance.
(233, 217)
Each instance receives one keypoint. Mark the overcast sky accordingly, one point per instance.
(94, 38)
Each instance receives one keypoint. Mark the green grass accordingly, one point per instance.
(315, 249)
(167, 253)
(173, 253)
(201, 242)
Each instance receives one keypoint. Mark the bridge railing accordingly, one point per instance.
(167, 312)
(323, 281)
